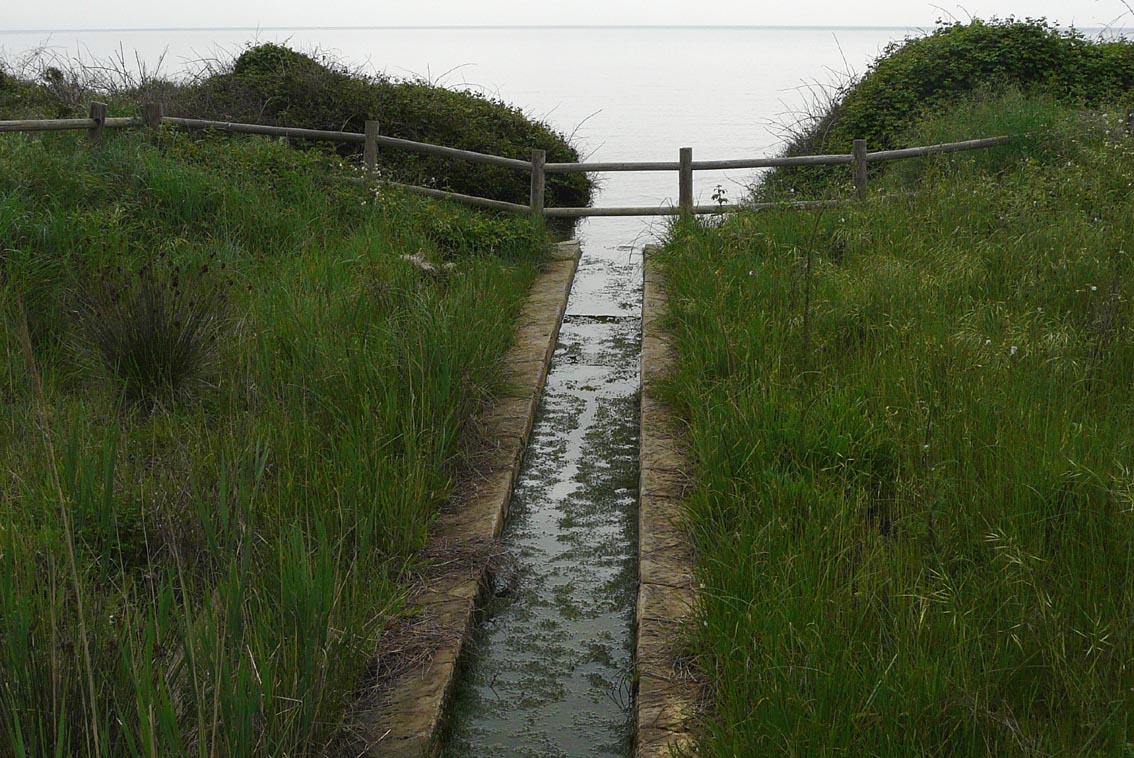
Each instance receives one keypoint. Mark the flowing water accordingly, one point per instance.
(549, 670)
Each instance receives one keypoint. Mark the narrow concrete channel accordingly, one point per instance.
(548, 672)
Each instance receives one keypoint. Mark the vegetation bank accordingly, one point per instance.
(910, 424)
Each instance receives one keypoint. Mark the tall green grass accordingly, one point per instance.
(914, 511)
(210, 573)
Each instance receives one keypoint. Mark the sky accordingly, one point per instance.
(167, 14)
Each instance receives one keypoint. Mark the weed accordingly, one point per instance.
(158, 330)
(720, 195)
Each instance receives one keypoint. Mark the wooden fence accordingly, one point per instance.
(538, 167)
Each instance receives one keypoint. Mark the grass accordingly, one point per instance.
(914, 510)
(209, 571)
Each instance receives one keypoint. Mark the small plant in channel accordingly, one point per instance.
(720, 196)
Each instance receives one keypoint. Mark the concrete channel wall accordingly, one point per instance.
(405, 715)
(668, 694)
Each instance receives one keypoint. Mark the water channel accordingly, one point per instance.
(549, 671)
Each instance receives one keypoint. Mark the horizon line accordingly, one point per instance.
(395, 27)
(441, 27)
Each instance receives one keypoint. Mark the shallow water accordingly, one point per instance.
(549, 672)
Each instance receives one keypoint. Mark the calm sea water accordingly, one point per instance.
(623, 93)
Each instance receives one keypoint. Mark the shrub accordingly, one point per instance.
(1042, 132)
(158, 330)
(919, 75)
(272, 84)
(916, 77)
(20, 97)
(275, 85)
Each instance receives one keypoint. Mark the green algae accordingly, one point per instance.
(549, 670)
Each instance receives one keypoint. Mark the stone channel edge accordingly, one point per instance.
(406, 721)
(668, 695)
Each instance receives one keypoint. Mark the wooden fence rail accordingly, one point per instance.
(372, 139)
(64, 124)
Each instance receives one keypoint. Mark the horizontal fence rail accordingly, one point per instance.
(799, 160)
(372, 139)
(483, 202)
(292, 132)
(65, 124)
(587, 168)
(948, 147)
(674, 210)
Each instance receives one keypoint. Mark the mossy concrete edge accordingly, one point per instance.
(668, 695)
(406, 716)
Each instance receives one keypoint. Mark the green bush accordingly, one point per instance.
(923, 74)
(1041, 129)
(916, 77)
(20, 98)
(272, 84)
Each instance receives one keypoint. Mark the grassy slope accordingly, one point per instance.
(911, 426)
(215, 565)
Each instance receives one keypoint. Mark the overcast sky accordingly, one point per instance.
(133, 14)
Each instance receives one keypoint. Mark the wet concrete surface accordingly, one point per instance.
(549, 670)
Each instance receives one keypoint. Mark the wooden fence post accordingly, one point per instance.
(539, 179)
(370, 151)
(97, 112)
(860, 168)
(152, 115)
(685, 181)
